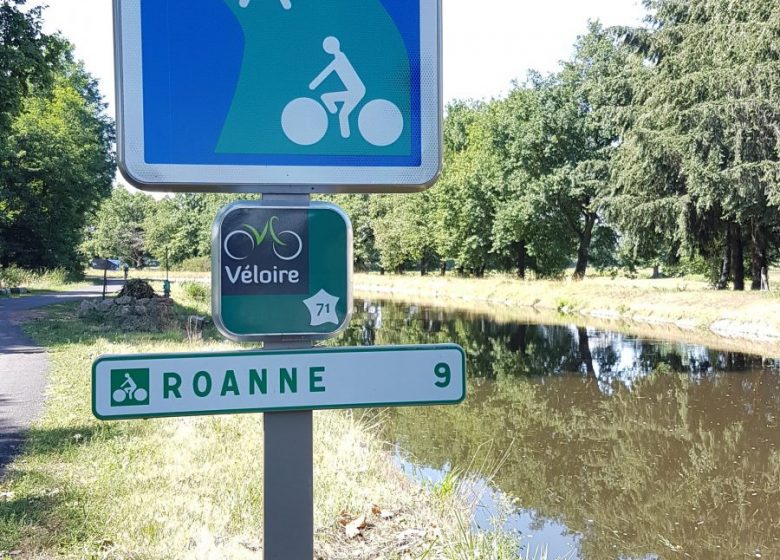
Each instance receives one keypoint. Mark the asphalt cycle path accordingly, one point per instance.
(24, 366)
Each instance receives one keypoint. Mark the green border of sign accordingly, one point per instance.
(337, 350)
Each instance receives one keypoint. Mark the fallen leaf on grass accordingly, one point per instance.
(356, 527)
(385, 514)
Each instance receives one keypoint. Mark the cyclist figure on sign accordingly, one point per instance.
(352, 96)
(129, 385)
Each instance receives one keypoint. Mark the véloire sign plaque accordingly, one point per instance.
(252, 95)
(281, 271)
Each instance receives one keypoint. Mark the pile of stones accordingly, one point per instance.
(131, 314)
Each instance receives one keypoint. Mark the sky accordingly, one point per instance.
(487, 43)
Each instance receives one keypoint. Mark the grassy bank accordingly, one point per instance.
(671, 308)
(192, 487)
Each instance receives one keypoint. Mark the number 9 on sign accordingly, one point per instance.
(444, 373)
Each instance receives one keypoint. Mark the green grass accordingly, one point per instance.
(192, 487)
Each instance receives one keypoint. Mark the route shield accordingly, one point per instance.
(254, 94)
(281, 271)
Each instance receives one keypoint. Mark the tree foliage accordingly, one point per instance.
(699, 166)
(118, 229)
(57, 165)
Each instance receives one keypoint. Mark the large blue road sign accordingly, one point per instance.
(308, 95)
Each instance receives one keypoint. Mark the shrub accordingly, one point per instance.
(196, 291)
(13, 276)
(138, 289)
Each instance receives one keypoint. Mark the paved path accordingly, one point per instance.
(23, 367)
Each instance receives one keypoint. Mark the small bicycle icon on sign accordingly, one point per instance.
(305, 121)
(240, 244)
(129, 390)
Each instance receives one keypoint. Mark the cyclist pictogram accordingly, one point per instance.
(239, 245)
(129, 387)
(305, 120)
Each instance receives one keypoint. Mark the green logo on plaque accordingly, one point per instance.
(129, 387)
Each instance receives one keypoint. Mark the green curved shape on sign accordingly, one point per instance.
(284, 53)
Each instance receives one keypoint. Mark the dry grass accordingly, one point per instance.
(192, 487)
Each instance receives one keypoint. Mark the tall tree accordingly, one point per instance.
(119, 228)
(577, 141)
(529, 230)
(28, 58)
(57, 164)
(700, 159)
(464, 214)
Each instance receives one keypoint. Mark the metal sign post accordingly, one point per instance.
(288, 481)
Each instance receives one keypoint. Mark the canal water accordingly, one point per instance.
(595, 445)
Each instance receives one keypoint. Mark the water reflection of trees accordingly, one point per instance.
(521, 349)
(674, 462)
(644, 448)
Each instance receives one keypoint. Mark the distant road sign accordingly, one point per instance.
(143, 386)
(281, 271)
(240, 95)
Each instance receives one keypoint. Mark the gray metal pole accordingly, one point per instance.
(288, 483)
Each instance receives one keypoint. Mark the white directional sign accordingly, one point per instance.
(311, 95)
(143, 386)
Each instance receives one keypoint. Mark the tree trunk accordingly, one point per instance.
(423, 270)
(758, 259)
(585, 355)
(737, 257)
(765, 279)
(656, 272)
(443, 268)
(725, 267)
(583, 251)
(522, 257)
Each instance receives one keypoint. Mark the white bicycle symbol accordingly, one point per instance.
(305, 120)
(129, 390)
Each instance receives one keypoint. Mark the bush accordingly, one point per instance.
(196, 291)
(14, 277)
(138, 289)
(195, 264)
